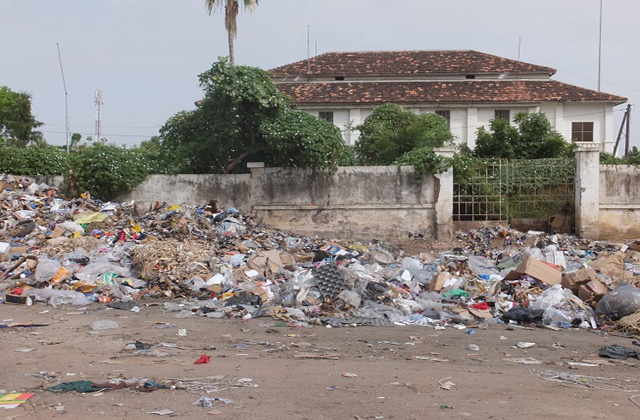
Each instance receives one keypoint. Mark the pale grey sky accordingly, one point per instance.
(145, 55)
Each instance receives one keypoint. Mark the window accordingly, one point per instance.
(339, 78)
(470, 76)
(326, 115)
(582, 131)
(503, 114)
(446, 114)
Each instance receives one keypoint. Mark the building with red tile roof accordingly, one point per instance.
(468, 88)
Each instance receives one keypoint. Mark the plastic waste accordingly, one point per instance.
(46, 269)
(622, 301)
(57, 297)
(103, 324)
(351, 298)
(481, 265)
(195, 284)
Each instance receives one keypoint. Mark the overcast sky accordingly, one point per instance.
(145, 55)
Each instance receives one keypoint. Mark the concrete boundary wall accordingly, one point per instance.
(356, 202)
(619, 202)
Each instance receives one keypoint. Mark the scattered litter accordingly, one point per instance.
(525, 345)
(619, 352)
(8, 401)
(594, 382)
(206, 402)
(446, 385)
(163, 412)
(204, 359)
(523, 361)
(350, 375)
(103, 324)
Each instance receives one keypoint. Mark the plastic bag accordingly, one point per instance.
(60, 297)
(481, 265)
(94, 270)
(46, 269)
(351, 298)
(195, 284)
(553, 297)
(623, 301)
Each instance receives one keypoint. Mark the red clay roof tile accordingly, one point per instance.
(408, 63)
(473, 91)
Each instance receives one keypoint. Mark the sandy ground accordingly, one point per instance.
(398, 368)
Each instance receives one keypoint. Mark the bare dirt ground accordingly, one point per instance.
(398, 368)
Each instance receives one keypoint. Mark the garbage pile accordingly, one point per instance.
(223, 263)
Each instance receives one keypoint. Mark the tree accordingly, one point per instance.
(532, 138)
(17, 124)
(231, 10)
(391, 131)
(244, 116)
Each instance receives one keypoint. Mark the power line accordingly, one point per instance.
(107, 126)
(102, 134)
(606, 83)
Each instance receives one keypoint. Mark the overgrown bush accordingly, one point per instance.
(34, 161)
(633, 158)
(107, 170)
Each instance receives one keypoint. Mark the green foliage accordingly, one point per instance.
(33, 161)
(391, 131)
(533, 138)
(425, 161)
(244, 117)
(633, 158)
(299, 139)
(106, 170)
(17, 124)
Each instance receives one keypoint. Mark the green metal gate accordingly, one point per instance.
(506, 189)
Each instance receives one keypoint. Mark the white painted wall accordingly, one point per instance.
(466, 120)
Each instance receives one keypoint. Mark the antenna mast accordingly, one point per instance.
(98, 100)
(308, 51)
(66, 100)
(600, 48)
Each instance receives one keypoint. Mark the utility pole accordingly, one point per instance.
(626, 126)
(98, 101)
(626, 151)
(66, 100)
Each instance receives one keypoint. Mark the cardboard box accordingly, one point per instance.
(17, 299)
(536, 269)
(573, 281)
(610, 264)
(437, 283)
(266, 263)
(592, 292)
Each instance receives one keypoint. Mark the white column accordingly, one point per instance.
(559, 123)
(444, 198)
(587, 185)
(472, 127)
(355, 119)
(608, 129)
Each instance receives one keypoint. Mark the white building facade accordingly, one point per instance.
(467, 88)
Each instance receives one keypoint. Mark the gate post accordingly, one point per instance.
(587, 186)
(444, 198)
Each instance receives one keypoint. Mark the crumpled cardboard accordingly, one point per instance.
(480, 313)
(610, 264)
(536, 269)
(267, 262)
(592, 292)
(438, 282)
(572, 281)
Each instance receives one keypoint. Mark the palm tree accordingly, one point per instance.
(231, 9)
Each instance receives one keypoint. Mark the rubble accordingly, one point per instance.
(225, 264)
